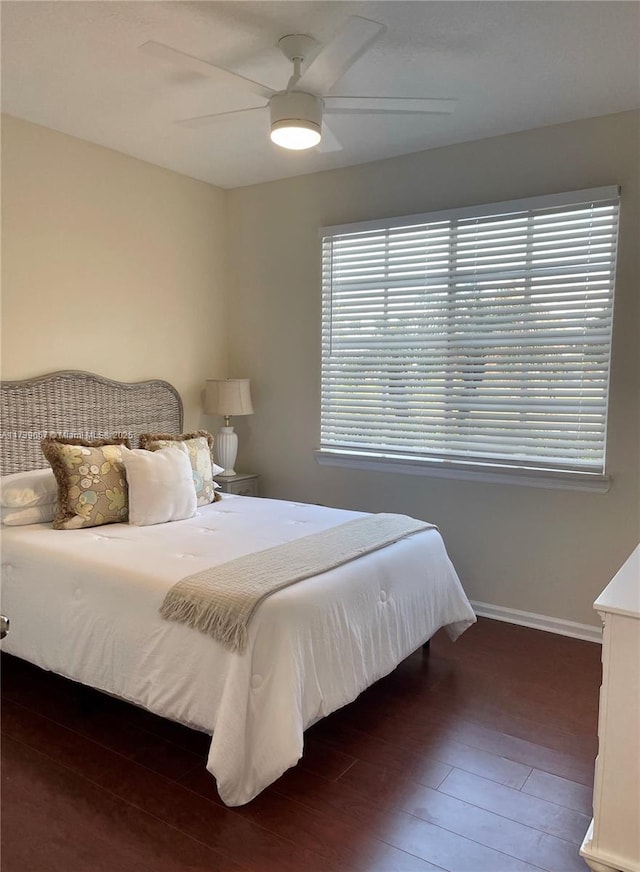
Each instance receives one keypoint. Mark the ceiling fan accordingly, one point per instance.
(297, 113)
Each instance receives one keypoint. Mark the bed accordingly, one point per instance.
(85, 603)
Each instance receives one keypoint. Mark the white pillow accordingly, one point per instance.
(42, 514)
(161, 486)
(34, 488)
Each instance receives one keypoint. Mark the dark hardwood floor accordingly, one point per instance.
(476, 758)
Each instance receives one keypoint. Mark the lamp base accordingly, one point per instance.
(226, 445)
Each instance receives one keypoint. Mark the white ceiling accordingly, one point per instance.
(75, 67)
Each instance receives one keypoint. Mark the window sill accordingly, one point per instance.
(546, 478)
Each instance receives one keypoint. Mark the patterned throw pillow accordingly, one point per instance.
(199, 447)
(92, 485)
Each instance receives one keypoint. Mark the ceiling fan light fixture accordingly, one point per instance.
(296, 118)
(295, 134)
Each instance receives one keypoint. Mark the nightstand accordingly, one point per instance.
(244, 484)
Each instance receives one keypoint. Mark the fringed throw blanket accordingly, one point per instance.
(221, 600)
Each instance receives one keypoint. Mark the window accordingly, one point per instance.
(472, 337)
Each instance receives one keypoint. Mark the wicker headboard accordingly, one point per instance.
(77, 403)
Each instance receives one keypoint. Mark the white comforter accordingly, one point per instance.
(84, 603)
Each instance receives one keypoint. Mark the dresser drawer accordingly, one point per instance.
(242, 484)
(244, 488)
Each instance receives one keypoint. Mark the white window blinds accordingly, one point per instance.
(477, 335)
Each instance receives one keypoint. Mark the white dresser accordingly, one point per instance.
(612, 841)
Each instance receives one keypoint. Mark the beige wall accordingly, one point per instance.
(109, 264)
(544, 551)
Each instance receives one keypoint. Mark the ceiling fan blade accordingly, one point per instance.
(206, 120)
(329, 141)
(224, 77)
(400, 105)
(352, 40)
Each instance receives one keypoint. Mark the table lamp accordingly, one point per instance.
(227, 397)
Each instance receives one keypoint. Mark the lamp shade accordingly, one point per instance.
(228, 396)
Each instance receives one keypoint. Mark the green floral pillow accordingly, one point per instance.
(199, 447)
(92, 485)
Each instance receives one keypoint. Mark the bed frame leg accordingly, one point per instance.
(85, 700)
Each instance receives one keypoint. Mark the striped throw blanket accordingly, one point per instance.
(221, 600)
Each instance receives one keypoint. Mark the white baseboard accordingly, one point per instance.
(539, 622)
